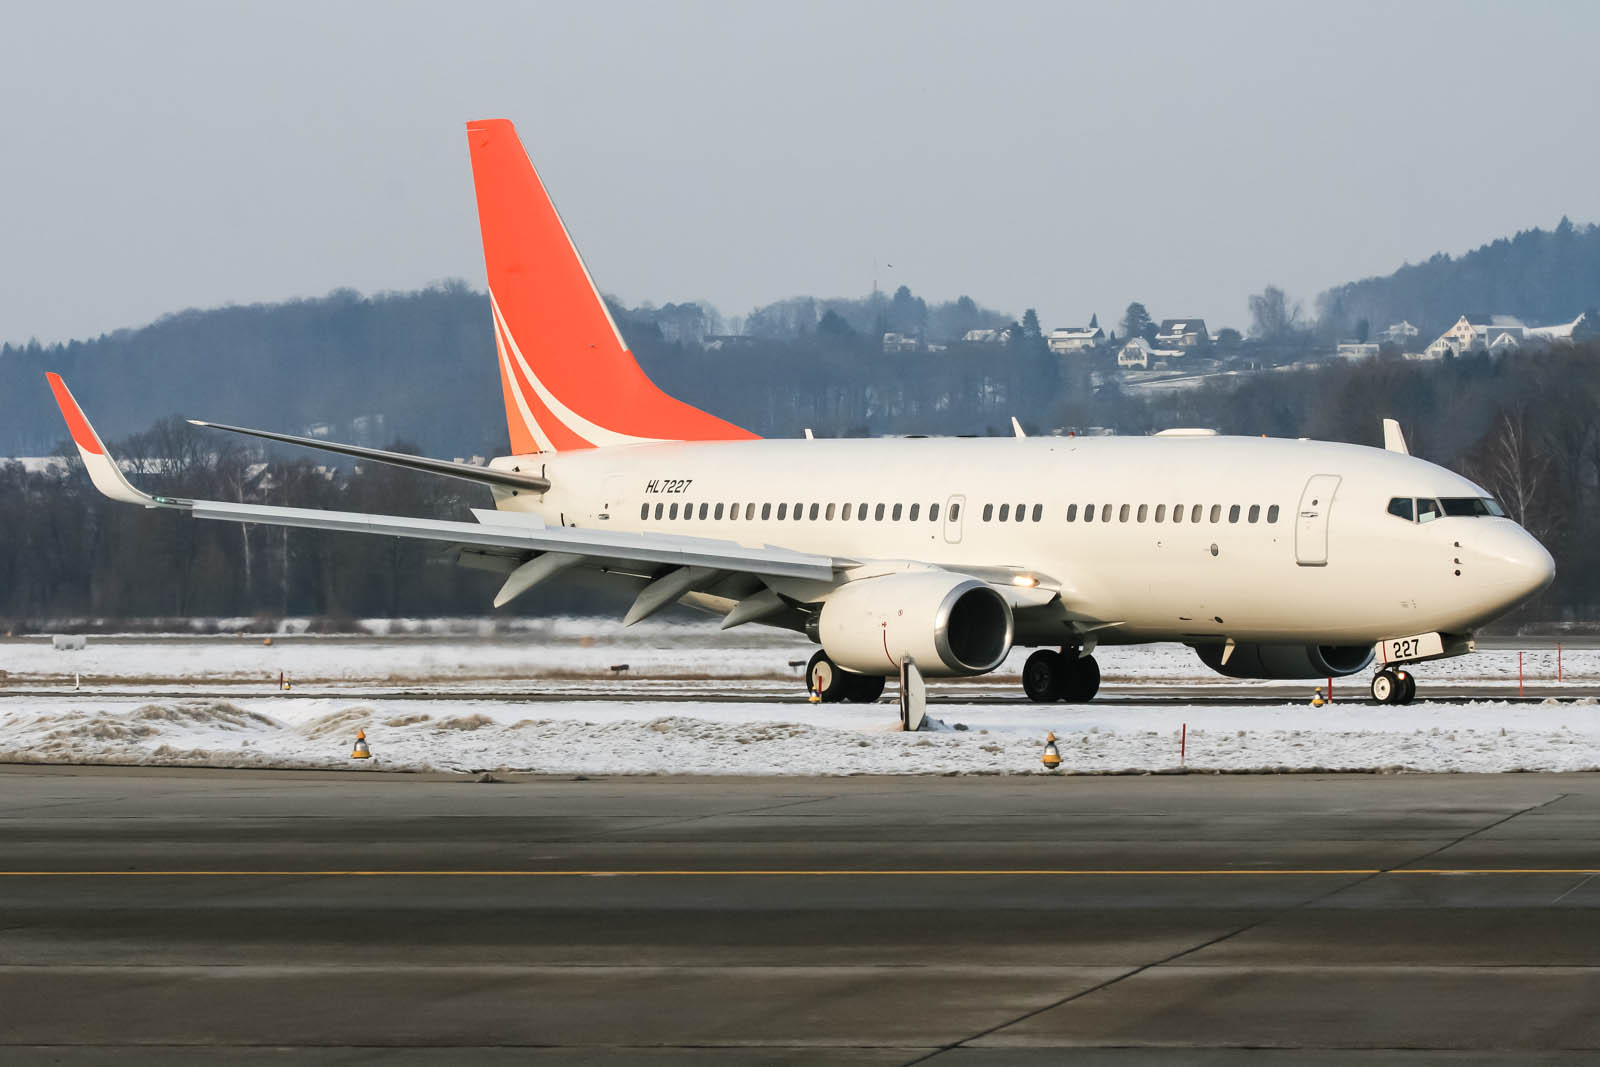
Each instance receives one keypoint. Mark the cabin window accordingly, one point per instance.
(844, 513)
(1194, 513)
(1161, 513)
(1255, 512)
(733, 511)
(1144, 512)
(672, 512)
(1400, 507)
(718, 513)
(1177, 513)
(1005, 512)
(660, 510)
(783, 511)
(1122, 513)
(688, 512)
(815, 508)
(933, 512)
(988, 512)
(1072, 513)
(1038, 512)
(766, 512)
(644, 510)
(1216, 512)
(861, 512)
(829, 513)
(1233, 513)
(877, 513)
(1088, 513)
(703, 509)
(1427, 510)
(799, 512)
(1021, 513)
(955, 512)
(1105, 512)
(911, 516)
(749, 511)
(1272, 514)
(895, 514)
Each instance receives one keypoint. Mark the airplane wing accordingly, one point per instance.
(497, 532)
(723, 576)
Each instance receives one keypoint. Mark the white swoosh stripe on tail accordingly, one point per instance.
(594, 434)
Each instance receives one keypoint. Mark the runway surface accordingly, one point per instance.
(1173, 919)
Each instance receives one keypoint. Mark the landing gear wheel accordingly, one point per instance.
(1408, 688)
(826, 680)
(1044, 676)
(1386, 687)
(862, 688)
(1083, 679)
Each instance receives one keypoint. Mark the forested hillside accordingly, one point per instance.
(421, 366)
(1541, 277)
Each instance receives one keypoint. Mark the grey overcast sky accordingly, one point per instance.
(1071, 157)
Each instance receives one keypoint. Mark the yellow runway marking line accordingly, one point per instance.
(844, 872)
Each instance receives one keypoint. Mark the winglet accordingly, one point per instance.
(1393, 439)
(1016, 427)
(103, 470)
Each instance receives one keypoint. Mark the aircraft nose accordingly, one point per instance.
(1520, 565)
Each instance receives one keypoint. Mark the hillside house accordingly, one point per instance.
(1139, 354)
(1400, 333)
(987, 337)
(901, 342)
(1356, 350)
(1182, 333)
(1478, 333)
(1065, 339)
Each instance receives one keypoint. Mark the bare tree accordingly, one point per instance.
(1515, 465)
(1272, 317)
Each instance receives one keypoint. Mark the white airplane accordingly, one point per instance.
(1270, 558)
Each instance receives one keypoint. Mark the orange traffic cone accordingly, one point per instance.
(361, 750)
(1052, 755)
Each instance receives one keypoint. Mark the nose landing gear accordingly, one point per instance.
(1394, 685)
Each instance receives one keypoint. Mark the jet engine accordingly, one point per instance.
(1287, 661)
(946, 623)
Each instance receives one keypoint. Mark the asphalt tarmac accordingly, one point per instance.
(357, 917)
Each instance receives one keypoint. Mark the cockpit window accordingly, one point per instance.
(1471, 506)
(1426, 509)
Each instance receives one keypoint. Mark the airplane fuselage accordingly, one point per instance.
(1279, 540)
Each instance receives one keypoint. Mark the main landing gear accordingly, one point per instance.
(832, 685)
(1394, 685)
(1049, 675)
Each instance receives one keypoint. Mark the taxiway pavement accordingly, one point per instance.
(367, 917)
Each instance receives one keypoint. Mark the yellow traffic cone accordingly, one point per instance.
(361, 749)
(1052, 756)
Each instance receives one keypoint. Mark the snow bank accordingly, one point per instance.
(624, 737)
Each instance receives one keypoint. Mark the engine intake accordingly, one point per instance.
(946, 623)
(1287, 661)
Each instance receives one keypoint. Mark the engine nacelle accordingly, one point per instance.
(946, 623)
(1287, 661)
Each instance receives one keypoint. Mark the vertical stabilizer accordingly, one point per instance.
(569, 379)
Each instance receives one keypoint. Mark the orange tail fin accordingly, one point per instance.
(569, 379)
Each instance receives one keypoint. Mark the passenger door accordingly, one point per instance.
(1311, 520)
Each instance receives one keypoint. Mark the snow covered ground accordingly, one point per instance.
(460, 704)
